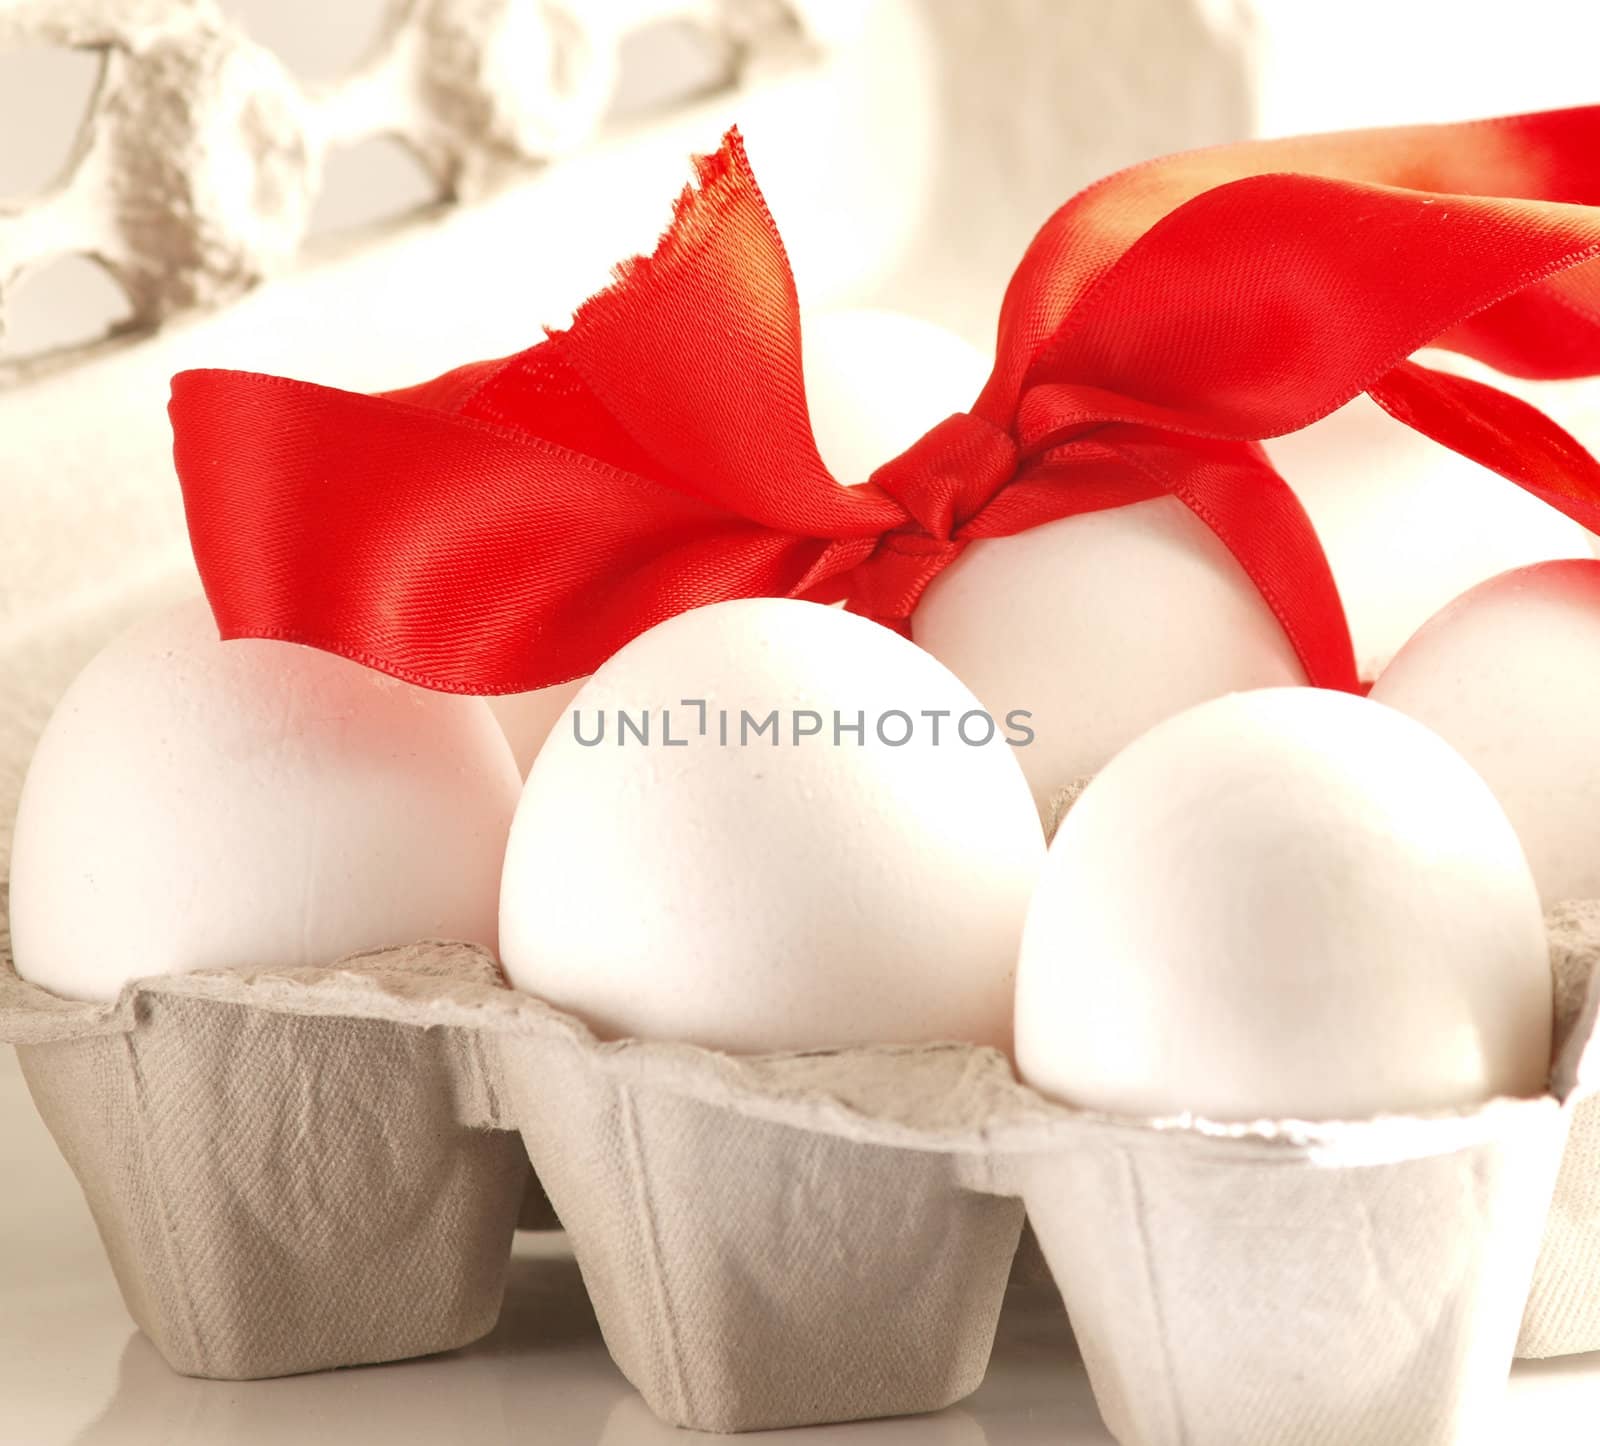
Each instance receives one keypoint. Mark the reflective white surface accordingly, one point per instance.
(74, 1372)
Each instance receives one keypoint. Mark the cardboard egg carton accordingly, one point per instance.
(293, 1171)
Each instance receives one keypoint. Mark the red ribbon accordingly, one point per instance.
(511, 524)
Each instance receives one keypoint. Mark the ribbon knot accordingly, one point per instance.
(948, 476)
(513, 523)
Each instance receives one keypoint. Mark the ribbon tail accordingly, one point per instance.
(691, 365)
(1502, 432)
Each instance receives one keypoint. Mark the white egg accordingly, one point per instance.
(197, 804)
(1285, 904)
(527, 718)
(1509, 675)
(1408, 524)
(877, 381)
(1100, 626)
(751, 890)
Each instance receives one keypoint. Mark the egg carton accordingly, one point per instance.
(294, 1171)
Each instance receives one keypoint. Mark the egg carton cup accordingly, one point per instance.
(287, 1172)
(299, 1170)
(1563, 1310)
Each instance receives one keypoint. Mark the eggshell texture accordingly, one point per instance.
(756, 895)
(1100, 626)
(197, 804)
(1407, 524)
(1285, 904)
(877, 381)
(1509, 675)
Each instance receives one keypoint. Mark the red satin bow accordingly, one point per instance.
(512, 523)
